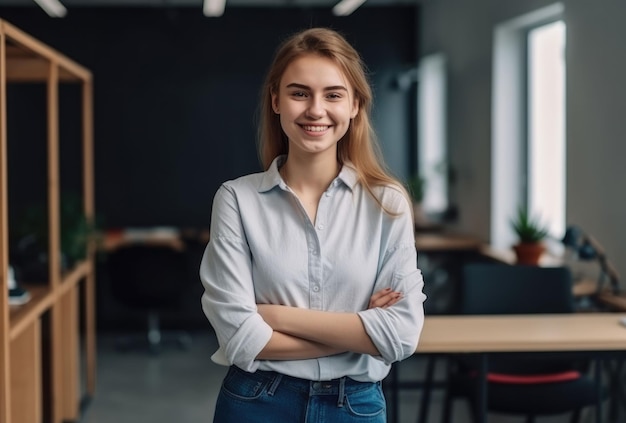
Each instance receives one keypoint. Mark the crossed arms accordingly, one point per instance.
(300, 333)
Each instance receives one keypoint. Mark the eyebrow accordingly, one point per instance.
(304, 87)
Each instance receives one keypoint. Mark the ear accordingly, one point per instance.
(355, 109)
(275, 103)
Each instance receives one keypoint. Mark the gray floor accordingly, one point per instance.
(181, 387)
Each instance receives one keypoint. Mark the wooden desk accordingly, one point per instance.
(582, 288)
(446, 242)
(165, 236)
(589, 333)
(523, 333)
(441, 257)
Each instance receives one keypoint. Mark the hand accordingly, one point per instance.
(384, 298)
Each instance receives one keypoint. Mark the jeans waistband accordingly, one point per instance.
(312, 387)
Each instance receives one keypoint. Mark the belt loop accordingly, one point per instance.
(274, 384)
(342, 383)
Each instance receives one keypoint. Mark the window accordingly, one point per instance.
(432, 139)
(546, 125)
(528, 132)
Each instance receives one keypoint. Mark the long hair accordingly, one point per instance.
(358, 146)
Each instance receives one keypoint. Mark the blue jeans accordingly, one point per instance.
(267, 397)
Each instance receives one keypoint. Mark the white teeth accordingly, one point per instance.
(315, 128)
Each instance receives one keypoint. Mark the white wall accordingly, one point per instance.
(596, 109)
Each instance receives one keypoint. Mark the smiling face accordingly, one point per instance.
(315, 102)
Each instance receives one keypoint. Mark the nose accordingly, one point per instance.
(315, 109)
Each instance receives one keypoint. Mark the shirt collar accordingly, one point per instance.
(271, 177)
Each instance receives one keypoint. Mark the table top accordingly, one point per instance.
(166, 236)
(446, 242)
(523, 333)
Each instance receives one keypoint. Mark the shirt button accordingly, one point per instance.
(320, 226)
(327, 194)
(316, 288)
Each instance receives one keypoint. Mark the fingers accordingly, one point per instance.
(384, 298)
(396, 297)
(377, 295)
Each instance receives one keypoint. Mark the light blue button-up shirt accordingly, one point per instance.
(264, 249)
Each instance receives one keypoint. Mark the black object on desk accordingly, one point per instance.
(586, 247)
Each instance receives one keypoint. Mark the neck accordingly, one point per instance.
(309, 174)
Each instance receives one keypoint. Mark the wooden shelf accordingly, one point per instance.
(42, 298)
(22, 316)
(23, 387)
(72, 277)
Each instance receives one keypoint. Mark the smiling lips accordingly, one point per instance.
(315, 128)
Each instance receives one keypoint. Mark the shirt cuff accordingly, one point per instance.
(247, 343)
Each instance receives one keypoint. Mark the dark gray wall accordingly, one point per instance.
(176, 93)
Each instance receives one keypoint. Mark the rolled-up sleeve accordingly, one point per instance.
(228, 300)
(395, 330)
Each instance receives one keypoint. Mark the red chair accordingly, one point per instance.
(517, 384)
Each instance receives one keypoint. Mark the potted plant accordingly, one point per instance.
(530, 233)
(31, 244)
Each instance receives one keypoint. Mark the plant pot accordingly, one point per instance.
(529, 253)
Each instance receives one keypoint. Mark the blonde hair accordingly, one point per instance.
(359, 145)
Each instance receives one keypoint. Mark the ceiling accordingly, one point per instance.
(198, 3)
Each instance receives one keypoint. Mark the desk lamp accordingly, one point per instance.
(587, 247)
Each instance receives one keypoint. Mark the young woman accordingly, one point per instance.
(310, 276)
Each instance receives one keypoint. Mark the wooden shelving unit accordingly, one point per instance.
(66, 303)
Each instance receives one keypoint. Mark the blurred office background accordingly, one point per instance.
(176, 94)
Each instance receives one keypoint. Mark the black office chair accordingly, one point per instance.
(521, 386)
(149, 278)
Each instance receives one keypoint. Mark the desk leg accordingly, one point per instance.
(597, 367)
(481, 400)
(395, 401)
(428, 387)
(617, 395)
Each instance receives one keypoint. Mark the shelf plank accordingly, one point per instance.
(26, 383)
(20, 317)
(42, 298)
(5, 363)
(33, 69)
(39, 49)
(74, 276)
(70, 354)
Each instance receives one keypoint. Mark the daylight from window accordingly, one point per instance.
(546, 125)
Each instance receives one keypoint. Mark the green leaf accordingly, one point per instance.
(527, 228)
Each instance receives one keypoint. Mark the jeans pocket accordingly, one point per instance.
(366, 403)
(244, 386)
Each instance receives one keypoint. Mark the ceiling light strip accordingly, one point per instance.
(346, 7)
(214, 8)
(53, 8)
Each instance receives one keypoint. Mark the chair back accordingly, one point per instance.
(504, 289)
(147, 276)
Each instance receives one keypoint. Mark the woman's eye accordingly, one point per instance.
(334, 96)
(298, 94)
